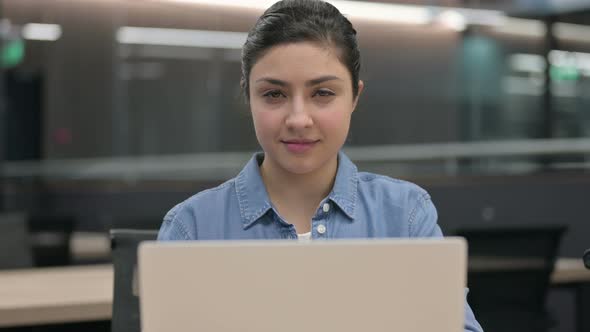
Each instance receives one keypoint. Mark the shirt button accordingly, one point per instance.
(326, 207)
(321, 229)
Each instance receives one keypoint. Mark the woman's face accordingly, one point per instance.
(301, 101)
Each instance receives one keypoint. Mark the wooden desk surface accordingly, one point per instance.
(570, 270)
(55, 295)
(566, 271)
(85, 293)
(90, 245)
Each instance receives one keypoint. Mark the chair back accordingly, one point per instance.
(509, 275)
(50, 237)
(124, 243)
(15, 249)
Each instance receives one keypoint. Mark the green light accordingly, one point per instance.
(564, 73)
(13, 53)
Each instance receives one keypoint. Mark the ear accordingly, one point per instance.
(360, 90)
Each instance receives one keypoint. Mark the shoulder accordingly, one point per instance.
(392, 189)
(202, 198)
(400, 201)
(180, 222)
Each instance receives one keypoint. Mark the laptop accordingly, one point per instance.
(290, 286)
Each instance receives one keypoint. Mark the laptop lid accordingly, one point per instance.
(338, 285)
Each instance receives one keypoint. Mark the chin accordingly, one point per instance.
(299, 164)
(299, 167)
(301, 170)
(304, 165)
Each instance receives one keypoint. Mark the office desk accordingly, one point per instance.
(55, 295)
(566, 271)
(85, 293)
(570, 273)
(88, 246)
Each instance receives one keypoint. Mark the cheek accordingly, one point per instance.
(266, 124)
(336, 123)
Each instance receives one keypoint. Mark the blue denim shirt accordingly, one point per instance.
(360, 205)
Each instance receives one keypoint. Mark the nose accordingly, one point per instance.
(299, 116)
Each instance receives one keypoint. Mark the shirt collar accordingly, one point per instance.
(252, 196)
(254, 201)
(344, 191)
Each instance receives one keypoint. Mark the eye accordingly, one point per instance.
(324, 93)
(274, 94)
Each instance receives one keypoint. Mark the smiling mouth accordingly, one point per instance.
(299, 146)
(300, 141)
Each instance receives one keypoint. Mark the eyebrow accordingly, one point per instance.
(313, 82)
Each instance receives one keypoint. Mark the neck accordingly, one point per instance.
(298, 190)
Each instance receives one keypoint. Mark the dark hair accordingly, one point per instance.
(292, 21)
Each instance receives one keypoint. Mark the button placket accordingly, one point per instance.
(319, 224)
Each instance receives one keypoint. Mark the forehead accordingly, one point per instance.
(299, 61)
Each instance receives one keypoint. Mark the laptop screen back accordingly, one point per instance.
(338, 285)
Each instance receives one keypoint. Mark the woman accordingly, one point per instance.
(300, 75)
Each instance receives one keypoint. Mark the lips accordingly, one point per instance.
(299, 145)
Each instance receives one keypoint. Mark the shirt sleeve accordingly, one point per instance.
(423, 218)
(423, 223)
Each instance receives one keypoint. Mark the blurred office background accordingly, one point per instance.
(113, 111)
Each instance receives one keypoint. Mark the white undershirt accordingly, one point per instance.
(304, 236)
